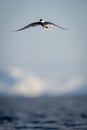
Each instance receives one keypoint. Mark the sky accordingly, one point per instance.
(36, 61)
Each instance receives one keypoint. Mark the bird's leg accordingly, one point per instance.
(46, 26)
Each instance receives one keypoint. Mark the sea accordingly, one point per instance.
(43, 113)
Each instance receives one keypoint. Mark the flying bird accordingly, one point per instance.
(44, 24)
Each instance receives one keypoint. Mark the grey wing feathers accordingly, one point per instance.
(57, 26)
(29, 25)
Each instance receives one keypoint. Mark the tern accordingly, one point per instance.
(44, 24)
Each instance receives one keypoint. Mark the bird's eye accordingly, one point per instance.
(41, 19)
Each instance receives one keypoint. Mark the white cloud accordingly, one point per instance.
(65, 85)
(28, 85)
(31, 85)
(16, 72)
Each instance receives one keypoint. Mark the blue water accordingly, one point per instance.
(43, 113)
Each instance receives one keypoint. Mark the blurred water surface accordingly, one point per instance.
(69, 113)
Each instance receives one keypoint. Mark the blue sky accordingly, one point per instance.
(55, 59)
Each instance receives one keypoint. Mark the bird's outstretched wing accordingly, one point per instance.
(49, 23)
(29, 25)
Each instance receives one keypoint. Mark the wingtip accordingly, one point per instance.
(17, 30)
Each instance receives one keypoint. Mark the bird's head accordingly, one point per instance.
(41, 20)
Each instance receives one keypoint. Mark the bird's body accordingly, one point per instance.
(42, 23)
